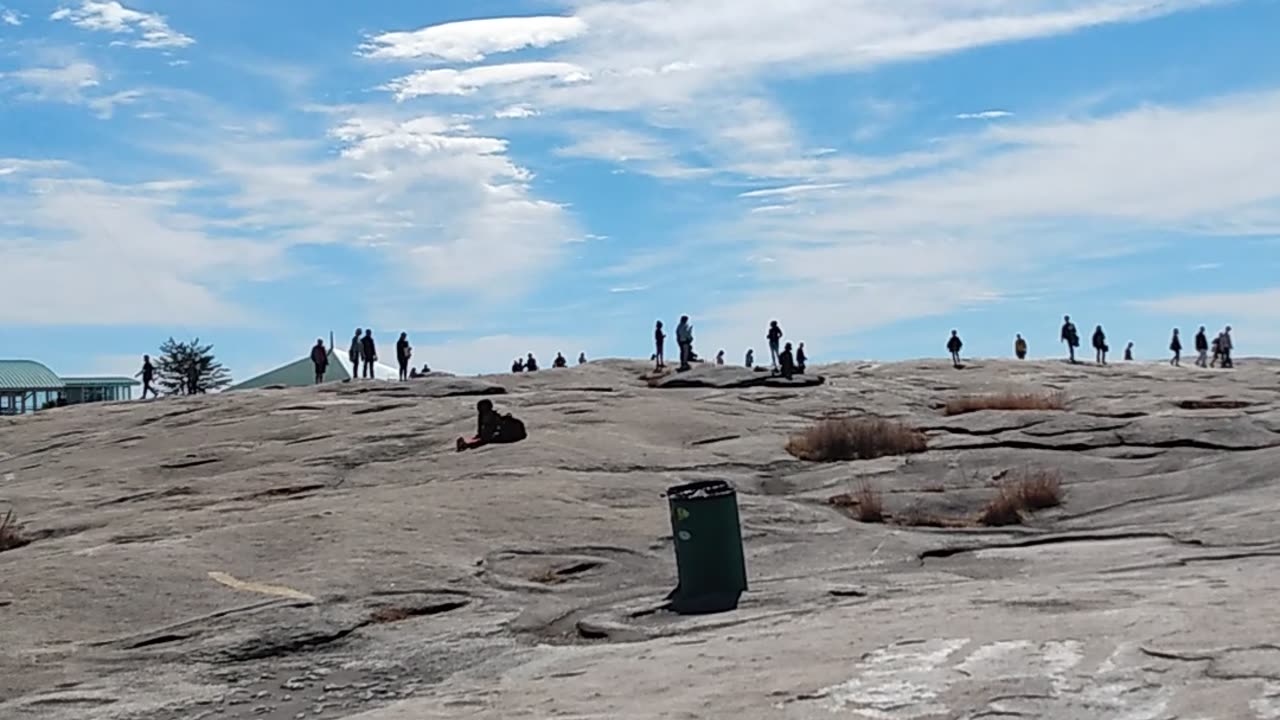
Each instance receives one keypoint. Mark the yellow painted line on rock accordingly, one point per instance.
(276, 590)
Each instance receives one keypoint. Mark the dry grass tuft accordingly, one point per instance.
(390, 615)
(856, 439)
(1038, 488)
(11, 538)
(1004, 509)
(1056, 400)
(865, 505)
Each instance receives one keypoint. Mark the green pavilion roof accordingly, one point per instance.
(20, 375)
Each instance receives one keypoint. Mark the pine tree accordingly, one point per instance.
(188, 368)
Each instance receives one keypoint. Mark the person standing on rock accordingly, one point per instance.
(355, 353)
(148, 375)
(1020, 348)
(801, 359)
(684, 338)
(659, 339)
(320, 359)
(369, 352)
(1128, 352)
(953, 346)
(1070, 337)
(1175, 347)
(1227, 347)
(1100, 345)
(774, 337)
(1202, 348)
(751, 359)
(403, 353)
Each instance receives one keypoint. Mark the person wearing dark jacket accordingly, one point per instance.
(492, 427)
(355, 353)
(1202, 348)
(517, 365)
(560, 361)
(774, 336)
(953, 346)
(1128, 352)
(1020, 347)
(1100, 345)
(801, 359)
(531, 363)
(786, 363)
(1175, 346)
(659, 338)
(320, 358)
(148, 375)
(369, 352)
(1070, 337)
(403, 353)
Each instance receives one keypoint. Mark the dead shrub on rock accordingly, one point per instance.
(1056, 400)
(1003, 510)
(838, 439)
(1038, 488)
(865, 505)
(11, 538)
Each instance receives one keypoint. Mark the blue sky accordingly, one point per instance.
(503, 177)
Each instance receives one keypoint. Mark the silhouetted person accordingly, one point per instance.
(1128, 352)
(492, 427)
(1217, 351)
(369, 352)
(684, 338)
(559, 362)
(774, 337)
(751, 358)
(659, 338)
(517, 365)
(1175, 347)
(1100, 345)
(953, 346)
(1070, 336)
(355, 353)
(413, 373)
(148, 375)
(582, 358)
(403, 353)
(320, 359)
(801, 359)
(425, 368)
(786, 363)
(1202, 348)
(531, 363)
(1227, 347)
(1020, 348)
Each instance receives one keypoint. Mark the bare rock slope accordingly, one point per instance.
(324, 553)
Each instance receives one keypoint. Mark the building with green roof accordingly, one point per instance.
(27, 386)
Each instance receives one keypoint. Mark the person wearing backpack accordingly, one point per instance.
(493, 427)
(1020, 348)
(1100, 345)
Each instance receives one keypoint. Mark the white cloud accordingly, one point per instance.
(106, 105)
(617, 145)
(448, 81)
(1259, 306)
(151, 29)
(790, 190)
(473, 40)
(10, 17)
(985, 115)
(59, 84)
(515, 112)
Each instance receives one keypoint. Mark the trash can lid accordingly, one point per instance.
(701, 490)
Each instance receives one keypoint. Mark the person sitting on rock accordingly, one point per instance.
(953, 346)
(517, 366)
(492, 427)
(1100, 345)
(1070, 337)
(413, 373)
(786, 362)
(720, 358)
(751, 358)
(1020, 348)
(801, 359)
(559, 362)
(531, 363)
(582, 358)
(1128, 352)
(1175, 346)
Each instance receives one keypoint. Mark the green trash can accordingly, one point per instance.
(710, 563)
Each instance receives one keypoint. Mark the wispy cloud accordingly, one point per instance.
(149, 30)
(474, 40)
(64, 83)
(985, 115)
(9, 16)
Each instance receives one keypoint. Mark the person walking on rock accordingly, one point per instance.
(320, 359)
(1100, 345)
(953, 346)
(1227, 347)
(720, 358)
(684, 338)
(775, 339)
(354, 354)
(1202, 348)
(148, 374)
(1020, 348)
(369, 352)
(1217, 351)
(659, 338)
(1071, 337)
(1175, 347)
(403, 353)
